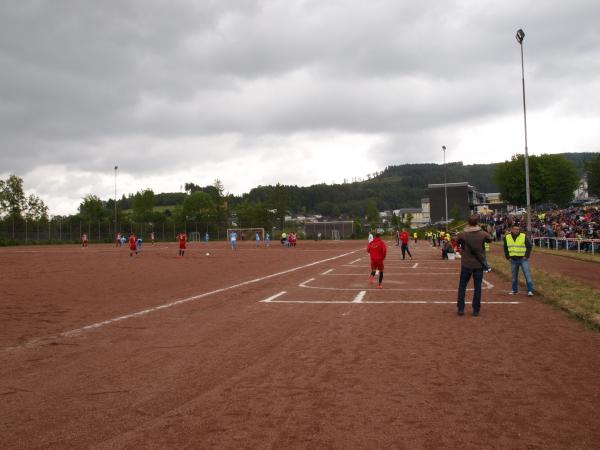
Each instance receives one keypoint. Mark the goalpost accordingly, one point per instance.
(335, 235)
(246, 234)
(195, 236)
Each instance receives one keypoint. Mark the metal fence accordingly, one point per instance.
(70, 231)
(569, 244)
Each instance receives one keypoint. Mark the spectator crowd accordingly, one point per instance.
(559, 224)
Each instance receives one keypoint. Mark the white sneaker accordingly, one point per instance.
(512, 293)
(530, 294)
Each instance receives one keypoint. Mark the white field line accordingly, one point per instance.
(415, 266)
(77, 331)
(402, 266)
(304, 284)
(356, 260)
(359, 297)
(383, 302)
(405, 274)
(327, 271)
(273, 297)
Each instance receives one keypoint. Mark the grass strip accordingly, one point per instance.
(572, 254)
(579, 301)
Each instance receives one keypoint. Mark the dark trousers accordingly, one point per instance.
(405, 250)
(465, 276)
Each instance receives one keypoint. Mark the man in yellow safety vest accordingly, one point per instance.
(517, 248)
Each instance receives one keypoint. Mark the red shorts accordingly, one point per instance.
(133, 248)
(377, 264)
(182, 246)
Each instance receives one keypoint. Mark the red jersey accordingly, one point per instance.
(404, 237)
(377, 249)
(132, 242)
(182, 240)
(84, 238)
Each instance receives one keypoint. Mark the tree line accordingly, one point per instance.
(553, 178)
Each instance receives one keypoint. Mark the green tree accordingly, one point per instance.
(92, 208)
(328, 209)
(593, 176)
(372, 212)
(357, 227)
(143, 205)
(559, 179)
(12, 196)
(36, 209)
(254, 215)
(552, 178)
(279, 200)
(198, 206)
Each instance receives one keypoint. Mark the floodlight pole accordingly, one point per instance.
(520, 36)
(445, 187)
(116, 168)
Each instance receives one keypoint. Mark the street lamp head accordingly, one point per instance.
(444, 147)
(520, 36)
(116, 167)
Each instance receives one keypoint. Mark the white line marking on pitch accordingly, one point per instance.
(304, 284)
(383, 302)
(398, 274)
(356, 260)
(415, 265)
(359, 297)
(273, 297)
(77, 331)
(327, 271)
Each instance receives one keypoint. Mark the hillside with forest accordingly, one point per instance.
(401, 186)
(397, 186)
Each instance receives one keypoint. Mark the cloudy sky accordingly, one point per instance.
(292, 91)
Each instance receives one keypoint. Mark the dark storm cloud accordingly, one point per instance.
(84, 84)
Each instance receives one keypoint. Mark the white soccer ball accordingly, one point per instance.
(207, 254)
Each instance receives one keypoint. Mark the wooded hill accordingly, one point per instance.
(398, 186)
(401, 186)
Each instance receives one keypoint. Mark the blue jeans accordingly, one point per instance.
(524, 265)
(465, 276)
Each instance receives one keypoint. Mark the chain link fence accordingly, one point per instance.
(56, 230)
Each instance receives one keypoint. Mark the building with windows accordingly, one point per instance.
(463, 200)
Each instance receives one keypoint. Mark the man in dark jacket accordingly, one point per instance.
(517, 248)
(472, 262)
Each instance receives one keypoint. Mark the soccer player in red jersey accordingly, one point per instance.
(132, 244)
(404, 237)
(84, 240)
(152, 237)
(377, 251)
(182, 240)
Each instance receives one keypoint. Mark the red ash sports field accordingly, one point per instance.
(102, 350)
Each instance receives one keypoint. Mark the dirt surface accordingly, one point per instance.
(281, 348)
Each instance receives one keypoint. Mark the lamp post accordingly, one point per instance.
(116, 168)
(520, 36)
(445, 187)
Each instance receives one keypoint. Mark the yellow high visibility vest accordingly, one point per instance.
(516, 247)
(486, 246)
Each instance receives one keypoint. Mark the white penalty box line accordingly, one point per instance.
(305, 284)
(359, 299)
